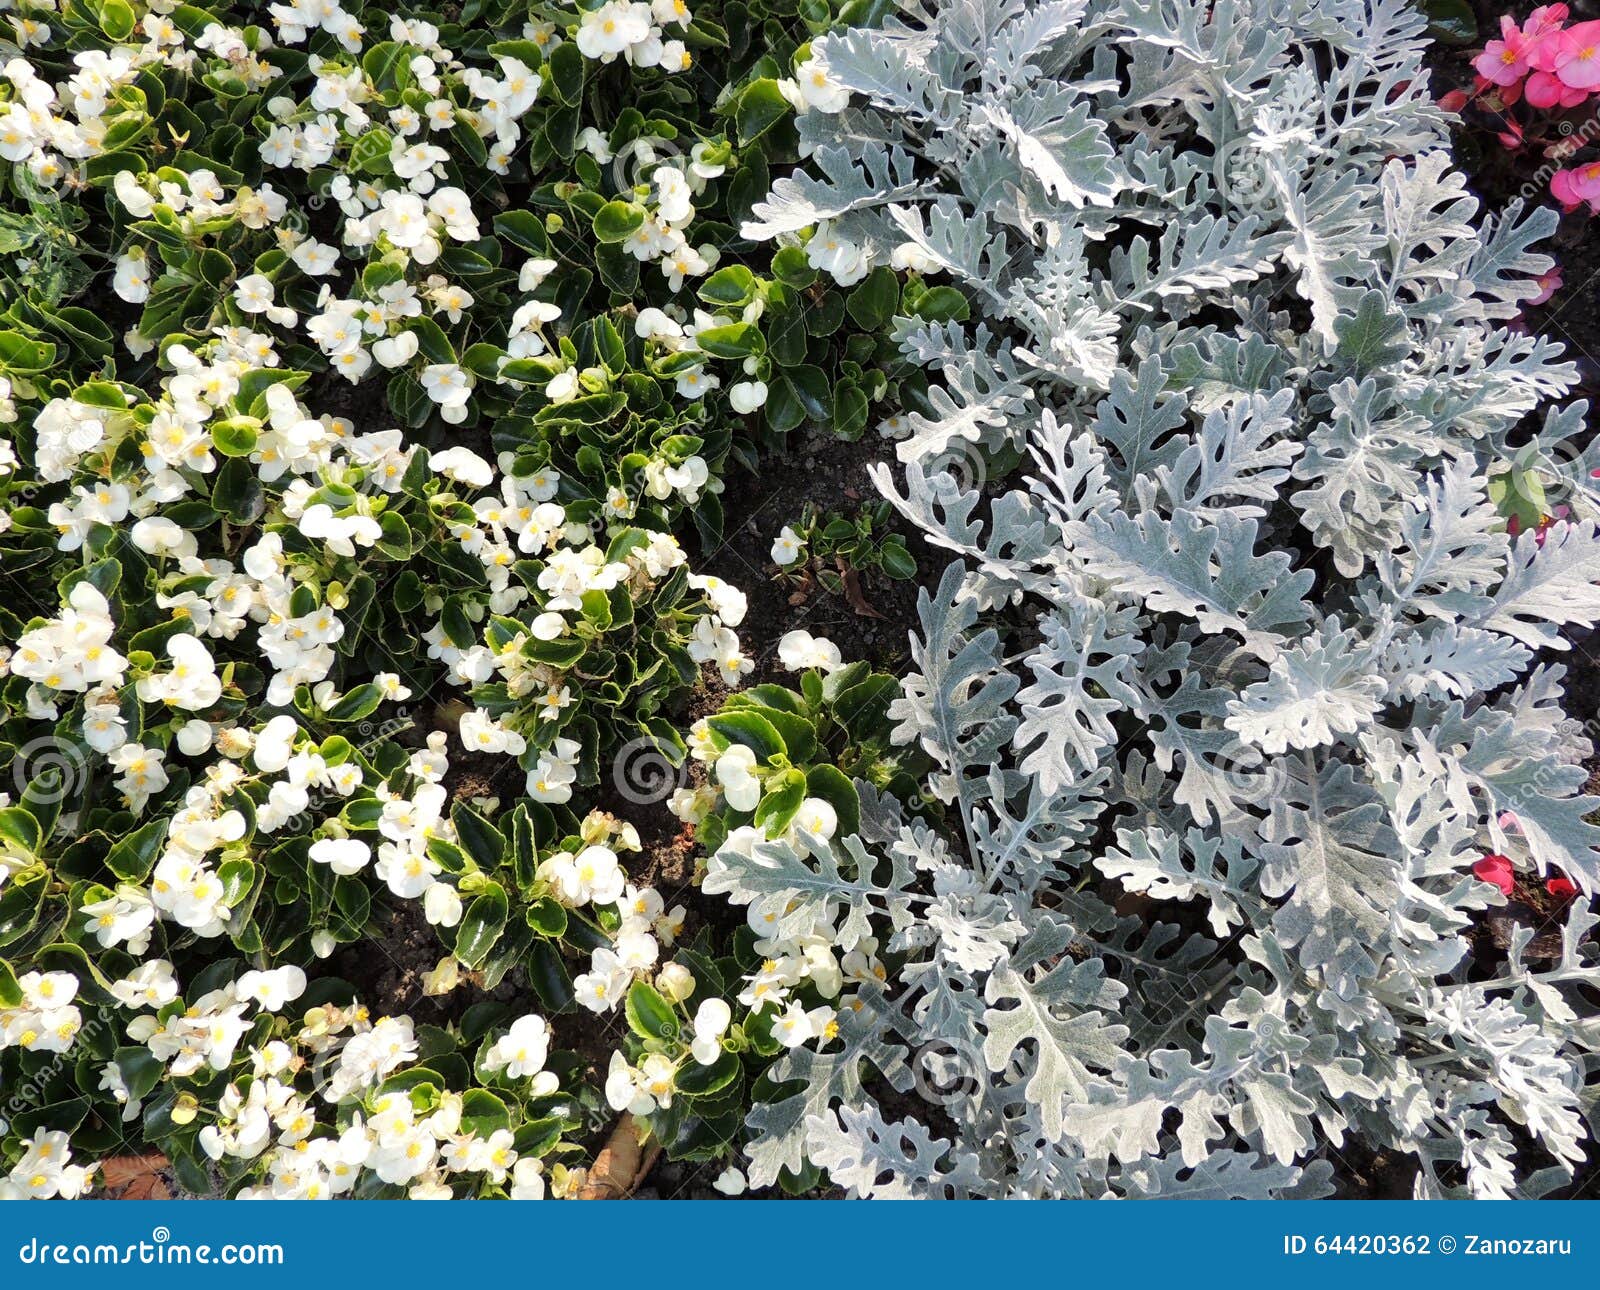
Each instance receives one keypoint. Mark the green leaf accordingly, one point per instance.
(617, 221)
(548, 917)
(731, 340)
(132, 857)
(481, 925)
(761, 107)
(20, 356)
(785, 791)
(649, 1014)
(360, 702)
(873, 303)
(897, 561)
(233, 437)
(695, 1080)
(117, 19)
(733, 286)
(19, 831)
(753, 731)
(482, 841)
(792, 267)
(10, 991)
(140, 1070)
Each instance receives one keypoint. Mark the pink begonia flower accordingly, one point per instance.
(1544, 91)
(1549, 284)
(1561, 887)
(1511, 137)
(1454, 100)
(1576, 185)
(1540, 36)
(1504, 61)
(1495, 869)
(1577, 58)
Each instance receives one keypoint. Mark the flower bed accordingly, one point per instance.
(432, 442)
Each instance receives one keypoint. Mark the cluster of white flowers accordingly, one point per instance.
(364, 292)
(647, 925)
(206, 1033)
(385, 1137)
(638, 33)
(47, 1020)
(45, 127)
(821, 959)
(71, 653)
(46, 1171)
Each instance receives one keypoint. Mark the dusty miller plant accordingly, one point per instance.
(1244, 641)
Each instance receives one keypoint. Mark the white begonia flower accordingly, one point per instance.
(275, 744)
(195, 737)
(342, 855)
(442, 905)
(317, 259)
(395, 351)
(799, 650)
(673, 195)
(463, 466)
(253, 294)
(848, 262)
(562, 387)
(787, 547)
(745, 397)
(653, 322)
(735, 772)
(533, 272)
(730, 1182)
(910, 255)
(814, 89)
(593, 876)
(675, 981)
(521, 1052)
(817, 818)
(605, 32)
(131, 278)
(527, 1180)
(711, 1021)
(270, 991)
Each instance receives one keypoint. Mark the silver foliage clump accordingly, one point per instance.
(1245, 639)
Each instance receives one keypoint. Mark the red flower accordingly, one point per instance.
(1562, 888)
(1495, 869)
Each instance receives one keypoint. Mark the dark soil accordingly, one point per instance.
(832, 475)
